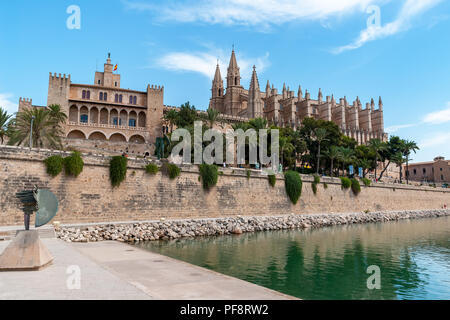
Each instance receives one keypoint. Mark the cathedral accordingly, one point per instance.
(286, 109)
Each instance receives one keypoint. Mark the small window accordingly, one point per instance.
(84, 118)
(83, 95)
(415, 171)
(120, 98)
(442, 177)
(115, 84)
(131, 99)
(101, 96)
(115, 121)
(105, 96)
(99, 82)
(116, 98)
(135, 100)
(88, 95)
(441, 169)
(132, 123)
(424, 170)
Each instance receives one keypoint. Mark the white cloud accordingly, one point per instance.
(262, 13)
(205, 62)
(438, 139)
(6, 102)
(393, 129)
(438, 117)
(409, 10)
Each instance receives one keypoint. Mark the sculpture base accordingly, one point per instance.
(26, 252)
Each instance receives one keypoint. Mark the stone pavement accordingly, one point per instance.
(113, 270)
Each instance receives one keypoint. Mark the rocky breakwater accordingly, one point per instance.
(167, 230)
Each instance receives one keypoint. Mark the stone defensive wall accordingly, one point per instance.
(90, 197)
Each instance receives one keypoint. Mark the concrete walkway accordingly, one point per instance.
(113, 270)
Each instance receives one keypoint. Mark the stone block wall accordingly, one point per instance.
(90, 197)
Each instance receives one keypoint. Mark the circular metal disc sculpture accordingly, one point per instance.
(26, 251)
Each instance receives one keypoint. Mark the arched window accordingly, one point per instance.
(132, 123)
(105, 96)
(83, 95)
(116, 98)
(135, 100)
(131, 99)
(120, 98)
(101, 96)
(84, 118)
(88, 95)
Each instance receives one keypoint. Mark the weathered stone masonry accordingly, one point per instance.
(90, 197)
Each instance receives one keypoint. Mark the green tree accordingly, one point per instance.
(186, 116)
(171, 116)
(4, 120)
(377, 146)
(346, 156)
(410, 146)
(399, 160)
(320, 135)
(333, 153)
(392, 147)
(47, 131)
(212, 116)
(56, 114)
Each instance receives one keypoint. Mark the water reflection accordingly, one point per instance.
(331, 263)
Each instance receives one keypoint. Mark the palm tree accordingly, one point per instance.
(4, 119)
(212, 116)
(333, 153)
(319, 135)
(376, 145)
(46, 131)
(55, 113)
(399, 160)
(346, 156)
(409, 146)
(171, 116)
(285, 146)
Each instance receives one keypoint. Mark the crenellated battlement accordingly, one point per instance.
(59, 80)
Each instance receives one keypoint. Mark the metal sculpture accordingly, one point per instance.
(43, 201)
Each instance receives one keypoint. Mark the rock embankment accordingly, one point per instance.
(167, 230)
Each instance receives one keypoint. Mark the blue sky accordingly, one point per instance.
(324, 44)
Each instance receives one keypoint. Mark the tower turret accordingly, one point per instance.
(217, 84)
(234, 74)
(255, 104)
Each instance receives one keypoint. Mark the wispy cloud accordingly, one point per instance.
(410, 10)
(437, 139)
(393, 129)
(205, 62)
(263, 13)
(6, 102)
(438, 117)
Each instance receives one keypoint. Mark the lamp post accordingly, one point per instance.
(31, 132)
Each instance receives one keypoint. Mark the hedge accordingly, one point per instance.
(73, 164)
(117, 170)
(173, 170)
(209, 174)
(346, 183)
(151, 168)
(272, 180)
(293, 184)
(356, 187)
(54, 165)
(366, 182)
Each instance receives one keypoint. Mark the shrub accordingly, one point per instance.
(316, 179)
(293, 184)
(117, 170)
(272, 180)
(151, 168)
(209, 174)
(366, 182)
(325, 185)
(54, 165)
(345, 183)
(173, 170)
(314, 188)
(356, 187)
(248, 174)
(73, 164)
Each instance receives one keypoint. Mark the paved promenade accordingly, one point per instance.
(113, 270)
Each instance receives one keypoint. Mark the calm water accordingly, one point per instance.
(331, 263)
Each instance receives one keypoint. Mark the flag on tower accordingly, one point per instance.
(115, 67)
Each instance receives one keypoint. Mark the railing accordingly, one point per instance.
(108, 126)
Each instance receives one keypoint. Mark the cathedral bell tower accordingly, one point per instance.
(232, 98)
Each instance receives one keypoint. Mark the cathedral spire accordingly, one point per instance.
(372, 104)
(234, 75)
(300, 93)
(254, 108)
(217, 83)
(380, 104)
(320, 96)
(268, 88)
